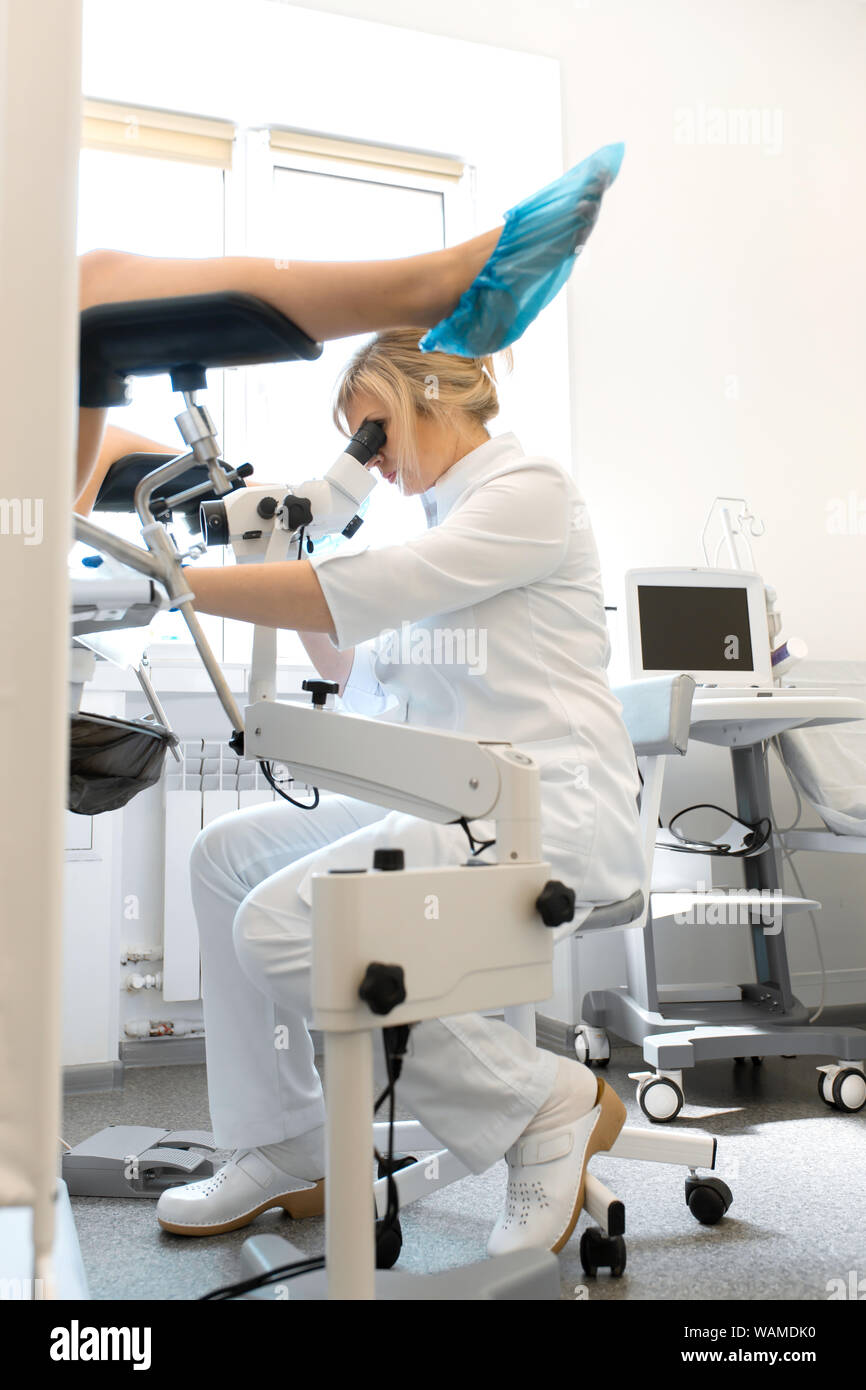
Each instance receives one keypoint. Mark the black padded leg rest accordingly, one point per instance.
(117, 492)
(183, 337)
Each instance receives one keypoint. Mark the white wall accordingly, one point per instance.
(718, 314)
(717, 330)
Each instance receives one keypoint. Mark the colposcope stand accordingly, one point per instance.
(491, 949)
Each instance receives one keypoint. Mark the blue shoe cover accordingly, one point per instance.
(540, 242)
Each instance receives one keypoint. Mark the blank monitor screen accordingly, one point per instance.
(694, 629)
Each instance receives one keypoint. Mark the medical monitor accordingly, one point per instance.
(709, 624)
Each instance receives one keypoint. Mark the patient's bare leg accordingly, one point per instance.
(91, 427)
(327, 299)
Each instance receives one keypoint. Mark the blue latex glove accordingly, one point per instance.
(540, 242)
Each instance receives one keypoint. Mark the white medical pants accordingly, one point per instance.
(474, 1082)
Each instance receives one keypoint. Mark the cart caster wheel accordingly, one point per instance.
(757, 1061)
(708, 1199)
(849, 1090)
(738, 1061)
(598, 1251)
(660, 1100)
(825, 1089)
(399, 1161)
(592, 1048)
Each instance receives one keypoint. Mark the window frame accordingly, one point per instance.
(250, 157)
(266, 150)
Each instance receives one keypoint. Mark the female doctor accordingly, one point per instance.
(507, 559)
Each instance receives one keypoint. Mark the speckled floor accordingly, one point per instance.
(796, 1169)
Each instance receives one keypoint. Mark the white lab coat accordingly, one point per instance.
(490, 623)
(508, 567)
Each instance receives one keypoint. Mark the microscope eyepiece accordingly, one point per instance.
(366, 442)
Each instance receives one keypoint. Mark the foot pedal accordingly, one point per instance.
(137, 1161)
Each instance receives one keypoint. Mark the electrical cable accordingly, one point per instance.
(777, 747)
(259, 1281)
(787, 854)
(395, 1041)
(476, 846)
(753, 843)
(271, 781)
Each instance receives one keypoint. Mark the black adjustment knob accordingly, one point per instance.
(189, 376)
(320, 690)
(383, 987)
(388, 859)
(266, 507)
(555, 903)
(298, 511)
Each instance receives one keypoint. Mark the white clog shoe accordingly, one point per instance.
(547, 1177)
(243, 1188)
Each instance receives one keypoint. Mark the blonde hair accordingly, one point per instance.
(412, 384)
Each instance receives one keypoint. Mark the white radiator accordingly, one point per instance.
(209, 782)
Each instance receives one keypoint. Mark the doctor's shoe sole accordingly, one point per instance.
(605, 1133)
(306, 1201)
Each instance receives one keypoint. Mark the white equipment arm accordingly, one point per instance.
(436, 775)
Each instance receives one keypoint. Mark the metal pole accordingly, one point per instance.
(108, 543)
(761, 872)
(350, 1250)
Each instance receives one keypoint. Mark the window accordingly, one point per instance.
(333, 200)
(162, 185)
(155, 184)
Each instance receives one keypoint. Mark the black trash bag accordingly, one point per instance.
(112, 760)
